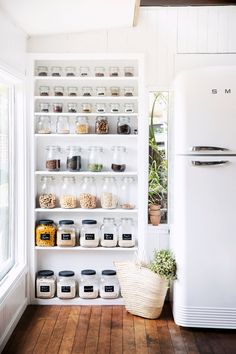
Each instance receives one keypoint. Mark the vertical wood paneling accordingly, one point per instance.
(202, 33)
(213, 18)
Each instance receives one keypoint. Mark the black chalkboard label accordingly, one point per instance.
(45, 237)
(88, 289)
(108, 236)
(127, 237)
(109, 288)
(89, 236)
(44, 289)
(65, 289)
(66, 237)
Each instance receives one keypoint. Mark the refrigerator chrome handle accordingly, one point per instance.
(207, 148)
(209, 163)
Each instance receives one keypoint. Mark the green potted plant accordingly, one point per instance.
(164, 264)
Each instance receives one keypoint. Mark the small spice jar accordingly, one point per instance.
(86, 107)
(115, 91)
(81, 125)
(126, 233)
(100, 107)
(44, 90)
(88, 195)
(129, 108)
(101, 125)
(57, 107)
(109, 285)
(95, 163)
(89, 235)
(56, 71)
(118, 159)
(58, 91)
(109, 193)
(63, 126)
(46, 195)
(84, 71)
(109, 233)
(87, 91)
(42, 71)
(44, 125)
(129, 71)
(45, 233)
(128, 91)
(72, 107)
(73, 161)
(66, 285)
(53, 162)
(44, 107)
(127, 193)
(88, 285)
(114, 107)
(45, 284)
(123, 125)
(72, 91)
(68, 193)
(66, 234)
(100, 91)
(114, 71)
(99, 71)
(70, 71)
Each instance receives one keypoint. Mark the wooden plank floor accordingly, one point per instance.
(111, 330)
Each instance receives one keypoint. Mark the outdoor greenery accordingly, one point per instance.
(164, 264)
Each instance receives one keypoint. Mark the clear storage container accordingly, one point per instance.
(89, 235)
(81, 125)
(127, 193)
(44, 125)
(44, 90)
(66, 233)
(58, 90)
(45, 233)
(86, 107)
(109, 285)
(129, 71)
(66, 285)
(88, 194)
(100, 107)
(70, 71)
(45, 284)
(123, 125)
(126, 233)
(42, 71)
(47, 195)
(63, 126)
(72, 107)
(44, 107)
(115, 91)
(114, 71)
(88, 285)
(53, 162)
(56, 71)
(57, 107)
(68, 193)
(115, 107)
(95, 159)
(84, 71)
(118, 159)
(73, 161)
(109, 193)
(87, 91)
(109, 233)
(72, 91)
(101, 125)
(99, 71)
(128, 91)
(101, 91)
(129, 108)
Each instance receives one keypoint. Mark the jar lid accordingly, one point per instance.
(108, 272)
(45, 273)
(88, 272)
(89, 222)
(46, 222)
(66, 273)
(66, 222)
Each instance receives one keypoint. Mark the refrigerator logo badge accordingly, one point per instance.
(216, 91)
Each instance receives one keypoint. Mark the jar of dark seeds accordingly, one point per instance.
(72, 107)
(42, 71)
(70, 71)
(56, 71)
(44, 90)
(99, 71)
(57, 107)
(53, 158)
(123, 125)
(73, 162)
(72, 91)
(87, 91)
(128, 91)
(129, 71)
(114, 71)
(84, 71)
(58, 91)
(44, 107)
(101, 125)
(118, 163)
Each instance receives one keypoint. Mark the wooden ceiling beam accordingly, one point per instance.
(187, 2)
(136, 12)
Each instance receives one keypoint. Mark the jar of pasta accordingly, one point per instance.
(45, 284)
(89, 236)
(66, 234)
(45, 233)
(66, 285)
(109, 286)
(68, 193)
(88, 285)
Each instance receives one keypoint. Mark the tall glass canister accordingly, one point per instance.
(118, 163)
(88, 195)
(126, 233)
(109, 233)
(68, 193)
(53, 160)
(127, 193)
(109, 193)
(95, 159)
(47, 195)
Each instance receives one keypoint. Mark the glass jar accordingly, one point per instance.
(45, 284)
(129, 108)
(63, 125)
(58, 91)
(88, 285)
(88, 195)
(89, 235)
(115, 91)
(56, 71)
(100, 107)
(72, 107)
(73, 161)
(81, 125)
(66, 285)
(127, 193)
(101, 125)
(109, 194)
(126, 233)
(46, 195)
(109, 233)
(45, 233)
(66, 233)
(42, 71)
(115, 107)
(70, 71)
(109, 285)
(129, 71)
(100, 91)
(44, 90)
(68, 193)
(84, 71)
(44, 107)
(114, 71)
(123, 125)
(72, 91)
(86, 107)
(44, 125)
(118, 159)
(57, 107)
(53, 162)
(95, 159)
(99, 71)
(87, 91)
(128, 91)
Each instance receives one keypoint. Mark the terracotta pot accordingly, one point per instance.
(155, 219)
(154, 207)
(154, 212)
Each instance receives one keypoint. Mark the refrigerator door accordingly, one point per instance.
(205, 110)
(203, 238)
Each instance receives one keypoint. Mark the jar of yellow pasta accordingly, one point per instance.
(45, 233)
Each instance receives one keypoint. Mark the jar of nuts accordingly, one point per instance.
(101, 125)
(81, 125)
(46, 195)
(95, 159)
(68, 193)
(109, 195)
(88, 195)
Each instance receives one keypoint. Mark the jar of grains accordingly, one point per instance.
(44, 90)
(72, 107)
(129, 71)
(127, 193)
(45, 284)
(66, 233)
(45, 233)
(88, 285)
(53, 162)
(70, 71)
(68, 193)
(109, 285)
(73, 162)
(86, 107)
(66, 285)
(114, 71)
(99, 71)
(46, 195)
(88, 195)
(63, 126)
(89, 235)
(59, 91)
(128, 91)
(81, 125)
(109, 194)
(72, 91)
(123, 125)
(42, 71)
(95, 163)
(126, 233)
(56, 71)
(115, 91)
(44, 125)
(118, 163)
(101, 125)
(108, 233)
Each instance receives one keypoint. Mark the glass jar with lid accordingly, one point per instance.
(57, 107)
(66, 285)
(84, 71)
(126, 233)
(68, 193)
(99, 71)
(89, 235)
(101, 125)
(115, 107)
(114, 71)
(100, 91)
(95, 163)
(81, 125)
(73, 161)
(87, 91)
(44, 125)
(118, 163)
(109, 233)
(72, 107)
(88, 194)
(127, 193)
(129, 108)
(100, 107)
(129, 71)
(109, 285)
(45, 284)
(56, 70)
(86, 107)
(66, 233)
(59, 91)
(46, 194)
(128, 91)
(63, 126)
(115, 91)
(42, 71)
(123, 125)
(72, 91)
(88, 285)
(70, 71)
(44, 90)
(109, 193)
(45, 233)
(53, 161)
(44, 107)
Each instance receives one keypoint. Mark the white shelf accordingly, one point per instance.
(97, 174)
(86, 114)
(78, 301)
(86, 98)
(86, 136)
(84, 249)
(87, 78)
(80, 210)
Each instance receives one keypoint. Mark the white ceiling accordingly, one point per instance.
(37, 17)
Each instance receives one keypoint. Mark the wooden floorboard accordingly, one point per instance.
(111, 330)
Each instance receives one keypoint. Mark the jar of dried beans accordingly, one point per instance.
(109, 194)
(88, 195)
(68, 198)
(42, 71)
(101, 125)
(46, 195)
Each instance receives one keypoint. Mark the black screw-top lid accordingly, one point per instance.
(108, 272)
(66, 222)
(46, 222)
(66, 273)
(88, 272)
(45, 273)
(89, 222)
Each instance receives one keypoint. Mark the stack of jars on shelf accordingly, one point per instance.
(91, 234)
(67, 286)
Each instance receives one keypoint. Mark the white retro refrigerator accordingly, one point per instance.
(203, 197)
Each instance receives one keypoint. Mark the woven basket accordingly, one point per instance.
(143, 291)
